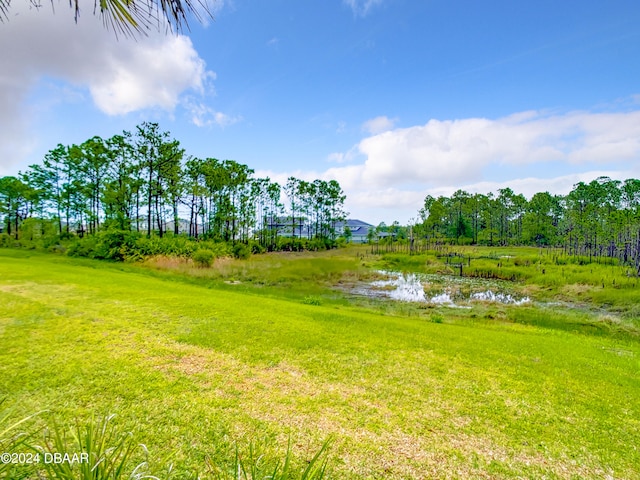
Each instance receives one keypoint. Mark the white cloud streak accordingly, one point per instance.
(362, 8)
(203, 116)
(378, 125)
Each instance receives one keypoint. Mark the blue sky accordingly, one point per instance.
(395, 99)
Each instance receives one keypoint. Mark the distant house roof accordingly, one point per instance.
(352, 222)
(358, 228)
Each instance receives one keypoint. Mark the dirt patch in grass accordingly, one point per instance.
(35, 290)
(485, 452)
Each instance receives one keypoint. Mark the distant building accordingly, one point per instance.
(359, 230)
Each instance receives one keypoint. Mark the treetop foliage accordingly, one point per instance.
(145, 182)
(600, 218)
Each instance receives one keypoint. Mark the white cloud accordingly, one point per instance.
(362, 7)
(344, 157)
(560, 185)
(223, 119)
(387, 176)
(122, 75)
(202, 115)
(337, 157)
(460, 151)
(527, 151)
(378, 125)
(153, 74)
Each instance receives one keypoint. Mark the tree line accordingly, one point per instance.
(145, 182)
(596, 219)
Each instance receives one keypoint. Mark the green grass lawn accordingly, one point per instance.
(195, 366)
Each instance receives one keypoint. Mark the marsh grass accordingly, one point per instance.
(547, 275)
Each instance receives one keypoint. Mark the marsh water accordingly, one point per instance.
(437, 289)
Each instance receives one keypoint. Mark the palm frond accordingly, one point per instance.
(133, 17)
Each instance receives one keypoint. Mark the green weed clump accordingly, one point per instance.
(311, 300)
(203, 258)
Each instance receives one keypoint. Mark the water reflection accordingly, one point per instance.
(437, 289)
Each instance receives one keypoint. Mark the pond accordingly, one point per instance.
(437, 289)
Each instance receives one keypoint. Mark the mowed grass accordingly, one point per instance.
(198, 367)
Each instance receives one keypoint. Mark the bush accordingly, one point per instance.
(203, 258)
(241, 250)
(220, 249)
(287, 244)
(5, 240)
(84, 247)
(57, 248)
(341, 242)
(39, 230)
(115, 244)
(256, 248)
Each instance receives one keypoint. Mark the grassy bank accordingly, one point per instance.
(195, 366)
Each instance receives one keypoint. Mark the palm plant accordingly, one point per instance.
(109, 453)
(11, 437)
(132, 17)
(255, 466)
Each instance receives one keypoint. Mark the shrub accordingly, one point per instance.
(341, 242)
(241, 250)
(220, 249)
(256, 248)
(203, 258)
(5, 240)
(115, 244)
(83, 247)
(57, 248)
